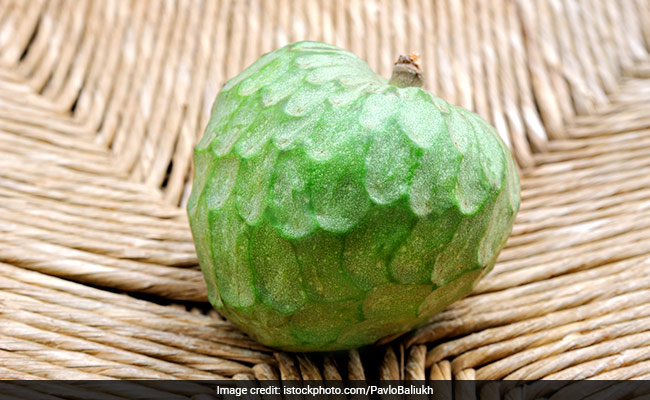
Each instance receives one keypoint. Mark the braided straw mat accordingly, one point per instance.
(101, 103)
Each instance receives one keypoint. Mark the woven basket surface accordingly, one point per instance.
(101, 103)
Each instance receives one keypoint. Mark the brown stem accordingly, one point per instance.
(407, 72)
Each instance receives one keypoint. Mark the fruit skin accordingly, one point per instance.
(330, 209)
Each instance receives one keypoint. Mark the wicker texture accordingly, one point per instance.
(102, 102)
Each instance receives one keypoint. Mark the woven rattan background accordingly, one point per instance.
(101, 103)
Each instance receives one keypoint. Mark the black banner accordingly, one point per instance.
(304, 390)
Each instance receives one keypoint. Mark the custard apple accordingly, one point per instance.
(331, 207)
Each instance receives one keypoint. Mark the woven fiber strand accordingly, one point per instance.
(102, 102)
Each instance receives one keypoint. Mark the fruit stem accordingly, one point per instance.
(407, 72)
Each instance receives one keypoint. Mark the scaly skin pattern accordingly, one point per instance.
(330, 209)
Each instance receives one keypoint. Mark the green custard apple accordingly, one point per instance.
(331, 207)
